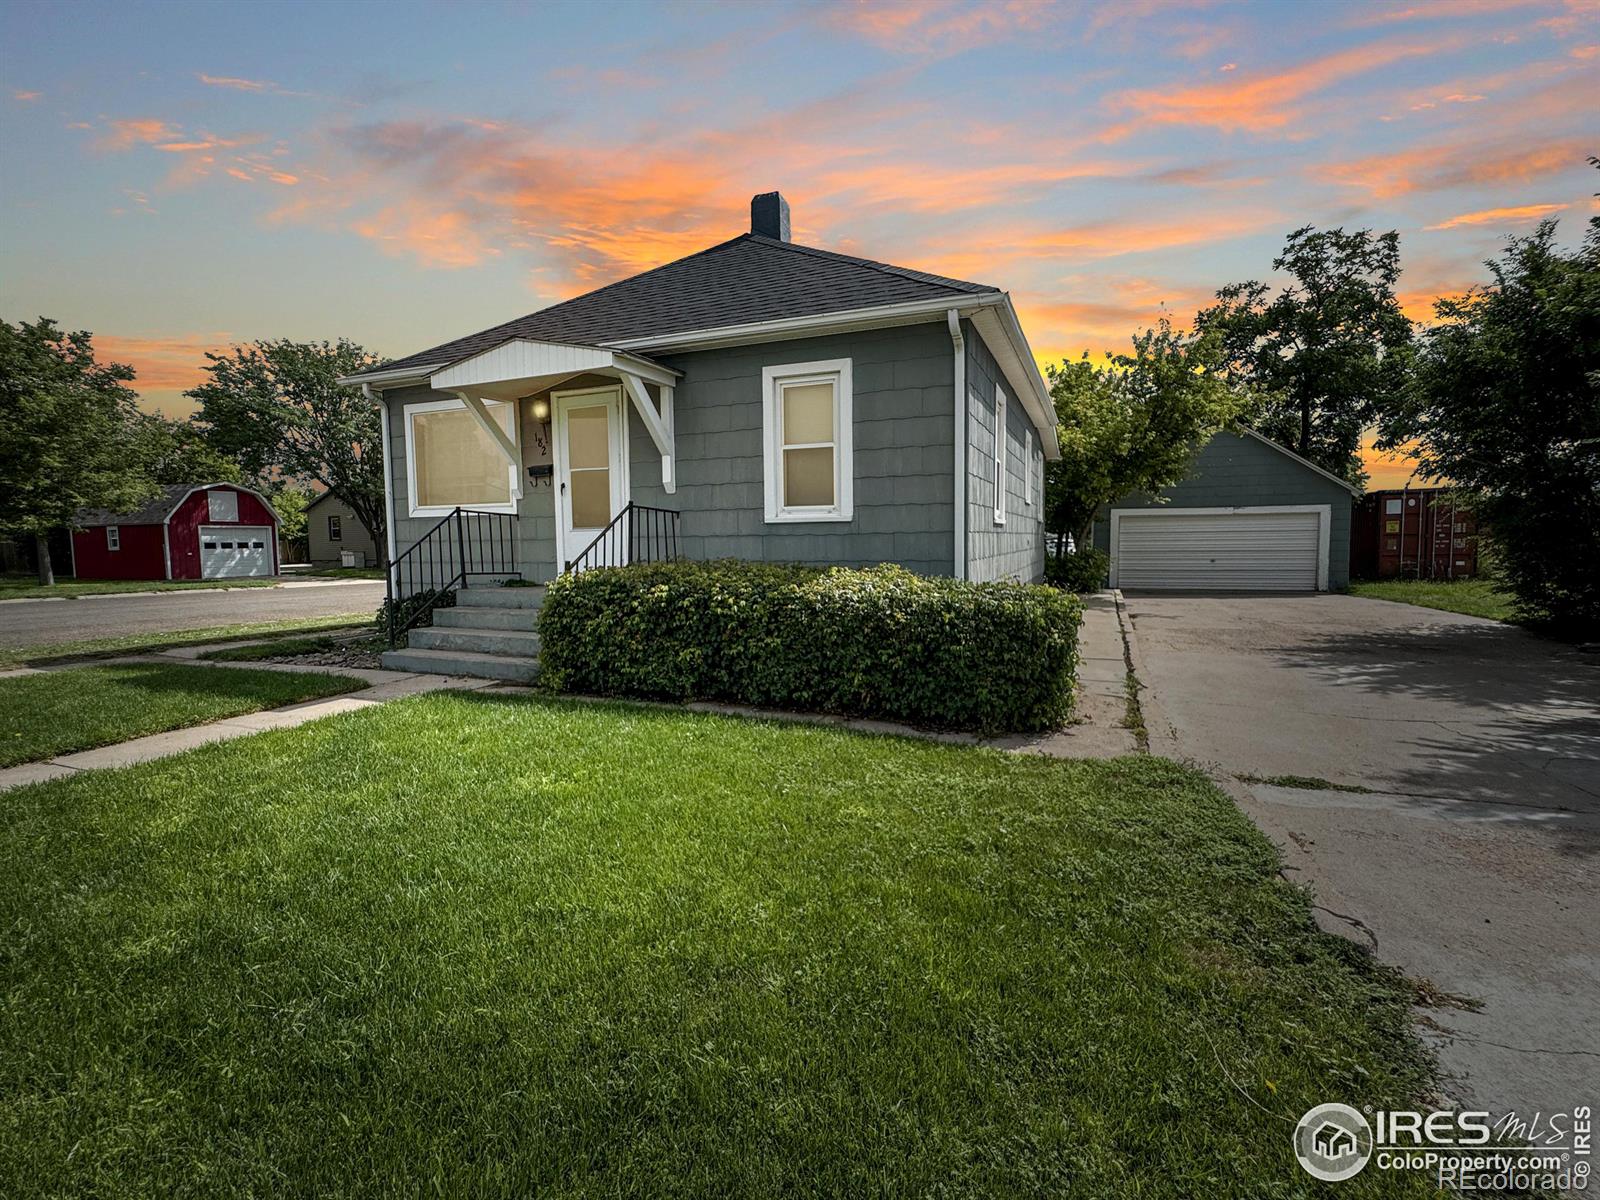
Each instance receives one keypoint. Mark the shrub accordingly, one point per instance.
(407, 606)
(881, 642)
(1081, 571)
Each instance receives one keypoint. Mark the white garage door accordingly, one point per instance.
(229, 551)
(1234, 551)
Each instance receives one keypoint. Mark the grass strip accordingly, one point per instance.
(58, 712)
(133, 643)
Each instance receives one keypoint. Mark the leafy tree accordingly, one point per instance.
(1133, 424)
(291, 503)
(1327, 355)
(69, 439)
(178, 452)
(1505, 402)
(277, 408)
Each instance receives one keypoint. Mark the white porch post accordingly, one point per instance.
(490, 426)
(660, 432)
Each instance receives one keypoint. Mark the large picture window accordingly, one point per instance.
(451, 461)
(807, 426)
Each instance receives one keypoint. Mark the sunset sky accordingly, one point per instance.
(175, 177)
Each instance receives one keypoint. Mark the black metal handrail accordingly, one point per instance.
(637, 534)
(466, 543)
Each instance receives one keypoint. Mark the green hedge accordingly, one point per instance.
(881, 642)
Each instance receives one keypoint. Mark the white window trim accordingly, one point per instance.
(837, 371)
(1000, 454)
(113, 538)
(444, 510)
(1027, 467)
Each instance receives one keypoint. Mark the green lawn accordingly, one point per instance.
(138, 643)
(1475, 597)
(58, 712)
(467, 945)
(26, 587)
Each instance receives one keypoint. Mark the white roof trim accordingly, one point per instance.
(206, 487)
(527, 358)
(389, 378)
(1304, 462)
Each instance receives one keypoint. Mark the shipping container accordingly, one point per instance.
(1413, 533)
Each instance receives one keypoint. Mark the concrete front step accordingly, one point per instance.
(486, 618)
(463, 662)
(500, 597)
(515, 642)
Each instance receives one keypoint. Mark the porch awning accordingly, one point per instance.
(513, 369)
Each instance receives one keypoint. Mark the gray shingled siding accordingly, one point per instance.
(904, 506)
(1234, 471)
(1014, 550)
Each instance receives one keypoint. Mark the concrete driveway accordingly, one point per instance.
(48, 622)
(1471, 856)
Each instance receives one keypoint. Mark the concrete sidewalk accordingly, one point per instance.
(382, 686)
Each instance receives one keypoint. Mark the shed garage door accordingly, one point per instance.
(1218, 551)
(231, 551)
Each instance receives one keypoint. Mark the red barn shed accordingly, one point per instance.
(189, 531)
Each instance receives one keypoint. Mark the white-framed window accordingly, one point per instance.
(222, 505)
(113, 538)
(451, 462)
(335, 528)
(806, 427)
(1027, 468)
(999, 455)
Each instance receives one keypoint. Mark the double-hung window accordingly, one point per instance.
(806, 424)
(999, 455)
(334, 531)
(451, 461)
(113, 538)
(1027, 468)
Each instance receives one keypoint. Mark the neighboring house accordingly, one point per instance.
(189, 531)
(333, 527)
(760, 399)
(1251, 516)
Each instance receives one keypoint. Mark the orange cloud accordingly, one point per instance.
(932, 26)
(1441, 10)
(135, 131)
(1502, 216)
(1435, 168)
(1262, 104)
(163, 364)
(26, 97)
(995, 247)
(439, 239)
(1108, 312)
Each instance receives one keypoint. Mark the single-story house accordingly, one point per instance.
(760, 400)
(1252, 516)
(187, 531)
(332, 527)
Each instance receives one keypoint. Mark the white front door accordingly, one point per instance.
(231, 551)
(591, 474)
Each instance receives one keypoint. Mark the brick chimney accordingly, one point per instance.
(769, 216)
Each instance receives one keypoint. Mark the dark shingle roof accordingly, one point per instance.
(151, 512)
(751, 278)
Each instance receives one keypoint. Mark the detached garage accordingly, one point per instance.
(189, 531)
(1251, 517)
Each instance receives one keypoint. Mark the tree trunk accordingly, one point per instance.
(1305, 429)
(47, 572)
(1084, 538)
